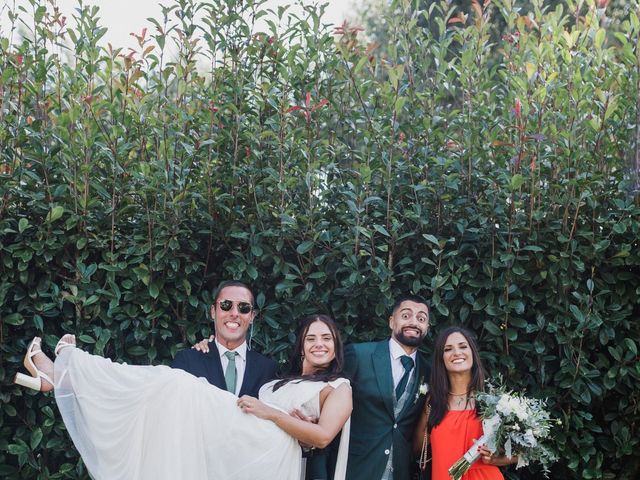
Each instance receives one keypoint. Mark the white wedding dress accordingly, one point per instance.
(142, 422)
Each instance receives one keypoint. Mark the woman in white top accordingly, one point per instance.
(154, 422)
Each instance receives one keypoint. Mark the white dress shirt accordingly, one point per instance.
(397, 369)
(241, 362)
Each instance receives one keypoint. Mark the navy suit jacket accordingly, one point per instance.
(258, 370)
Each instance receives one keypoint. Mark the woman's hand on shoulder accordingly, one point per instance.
(203, 345)
(497, 460)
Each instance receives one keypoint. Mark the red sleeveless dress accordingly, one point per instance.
(451, 439)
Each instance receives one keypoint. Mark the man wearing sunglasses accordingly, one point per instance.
(228, 363)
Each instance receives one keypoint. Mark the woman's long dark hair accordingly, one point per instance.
(439, 386)
(333, 370)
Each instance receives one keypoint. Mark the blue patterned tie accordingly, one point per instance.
(407, 363)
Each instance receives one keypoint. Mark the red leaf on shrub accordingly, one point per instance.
(320, 104)
(344, 29)
(371, 47)
(476, 6)
(500, 143)
(307, 100)
(140, 37)
(294, 108)
(453, 146)
(517, 108)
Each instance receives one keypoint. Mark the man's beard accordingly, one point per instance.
(409, 341)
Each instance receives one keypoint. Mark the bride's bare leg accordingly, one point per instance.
(39, 366)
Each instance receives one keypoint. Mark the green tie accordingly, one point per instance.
(230, 375)
(407, 363)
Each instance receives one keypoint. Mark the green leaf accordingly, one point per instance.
(599, 38)
(23, 223)
(516, 182)
(492, 328)
(55, 213)
(9, 410)
(38, 323)
(615, 353)
(382, 230)
(36, 438)
(431, 238)
(577, 313)
(399, 104)
(252, 272)
(17, 449)
(137, 351)
(154, 290)
(91, 300)
(13, 319)
(442, 308)
(304, 247)
(531, 70)
(186, 284)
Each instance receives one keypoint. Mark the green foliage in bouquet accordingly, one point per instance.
(517, 425)
(496, 176)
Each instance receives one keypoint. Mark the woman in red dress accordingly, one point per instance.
(453, 422)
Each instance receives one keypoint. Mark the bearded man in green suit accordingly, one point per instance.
(388, 380)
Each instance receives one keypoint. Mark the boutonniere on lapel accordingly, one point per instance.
(423, 389)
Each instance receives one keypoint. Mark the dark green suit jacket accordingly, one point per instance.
(374, 427)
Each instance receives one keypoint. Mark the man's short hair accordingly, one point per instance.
(408, 298)
(232, 283)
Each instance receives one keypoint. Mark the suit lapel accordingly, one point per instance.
(250, 371)
(213, 367)
(382, 369)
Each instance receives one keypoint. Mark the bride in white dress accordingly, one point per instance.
(153, 422)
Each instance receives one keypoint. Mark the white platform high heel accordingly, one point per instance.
(63, 343)
(35, 380)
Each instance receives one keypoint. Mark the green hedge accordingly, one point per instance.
(494, 177)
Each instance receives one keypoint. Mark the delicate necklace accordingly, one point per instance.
(459, 398)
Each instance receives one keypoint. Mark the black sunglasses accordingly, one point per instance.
(243, 307)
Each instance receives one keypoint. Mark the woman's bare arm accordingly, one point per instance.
(335, 411)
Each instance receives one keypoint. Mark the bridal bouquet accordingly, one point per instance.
(513, 425)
